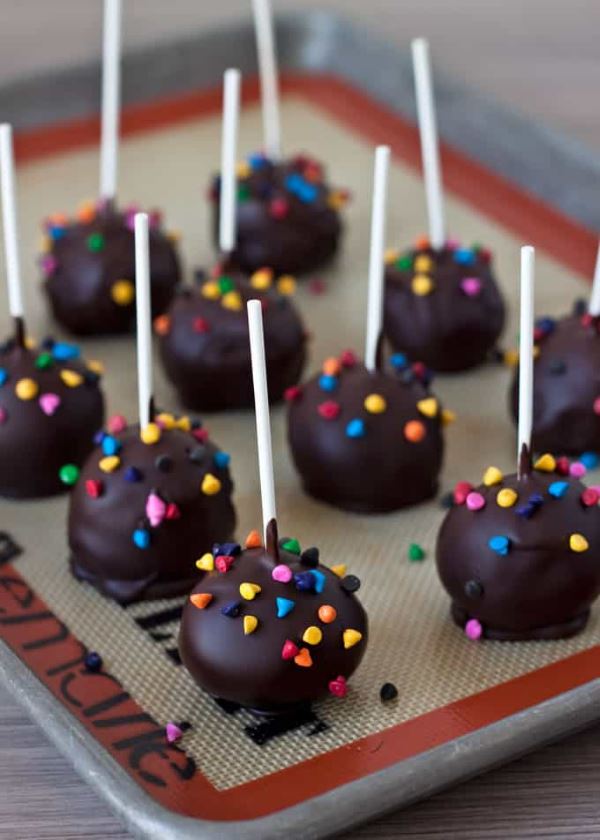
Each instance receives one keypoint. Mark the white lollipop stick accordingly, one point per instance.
(376, 265)
(111, 95)
(595, 298)
(144, 331)
(430, 153)
(261, 407)
(231, 115)
(269, 85)
(9, 222)
(526, 350)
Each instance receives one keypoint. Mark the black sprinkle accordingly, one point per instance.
(47, 343)
(198, 454)
(447, 500)
(90, 377)
(92, 661)
(350, 583)
(164, 463)
(580, 306)
(496, 355)
(310, 557)
(196, 423)
(199, 275)
(473, 589)
(387, 692)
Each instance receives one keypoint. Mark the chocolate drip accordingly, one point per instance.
(20, 331)
(524, 462)
(272, 540)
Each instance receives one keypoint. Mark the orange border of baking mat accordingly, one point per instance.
(98, 701)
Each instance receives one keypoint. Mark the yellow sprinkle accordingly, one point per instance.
(242, 169)
(578, 543)
(211, 290)
(506, 498)
(174, 236)
(375, 404)
(422, 285)
(423, 263)
(206, 563)
(30, 342)
(184, 423)
(250, 624)
(261, 279)
(492, 476)
(122, 292)
(210, 485)
(71, 378)
(110, 463)
(391, 255)
(166, 420)
(233, 301)
(150, 434)
(45, 244)
(511, 358)
(536, 351)
(286, 285)
(545, 463)
(428, 406)
(448, 416)
(95, 366)
(339, 570)
(26, 389)
(249, 591)
(351, 638)
(312, 635)
(336, 200)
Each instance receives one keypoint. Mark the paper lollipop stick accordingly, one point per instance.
(595, 298)
(376, 264)
(430, 153)
(269, 86)
(111, 95)
(9, 222)
(526, 351)
(231, 113)
(144, 330)
(261, 407)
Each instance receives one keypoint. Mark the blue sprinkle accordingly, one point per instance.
(284, 607)
(304, 581)
(257, 161)
(590, 460)
(63, 351)
(355, 428)
(221, 460)
(319, 580)
(532, 504)
(232, 610)
(56, 233)
(499, 544)
(3, 376)
(328, 383)
(132, 474)
(546, 325)
(464, 256)
(558, 489)
(226, 549)
(141, 537)
(92, 661)
(307, 193)
(398, 361)
(99, 437)
(110, 445)
(293, 182)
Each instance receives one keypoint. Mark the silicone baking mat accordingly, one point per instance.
(448, 687)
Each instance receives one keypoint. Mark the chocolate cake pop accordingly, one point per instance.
(442, 304)
(269, 628)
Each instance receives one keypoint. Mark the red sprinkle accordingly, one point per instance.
(348, 358)
(278, 208)
(200, 434)
(292, 394)
(562, 465)
(419, 370)
(590, 497)
(587, 320)
(538, 334)
(329, 409)
(223, 563)
(200, 325)
(289, 650)
(93, 488)
(461, 491)
(338, 687)
(172, 511)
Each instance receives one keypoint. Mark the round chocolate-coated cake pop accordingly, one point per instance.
(442, 307)
(566, 386)
(520, 557)
(271, 629)
(287, 215)
(143, 503)
(364, 441)
(89, 268)
(204, 342)
(51, 405)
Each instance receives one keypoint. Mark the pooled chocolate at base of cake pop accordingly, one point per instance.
(51, 405)
(442, 306)
(89, 269)
(142, 504)
(566, 386)
(367, 442)
(287, 215)
(204, 339)
(520, 557)
(271, 629)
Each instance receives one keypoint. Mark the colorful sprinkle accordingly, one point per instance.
(71, 378)
(414, 431)
(356, 428)
(286, 285)
(223, 563)
(422, 285)
(351, 638)
(350, 583)
(506, 498)
(282, 573)
(232, 610)
(284, 607)
(221, 460)
(448, 416)
(68, 474)
(150, 434)
(331, 366)
(133, 475)
(110, 463)
(292, 393)
(110, 445)
(590, 460)
(156, 509)
(429, 407)
(461, 491)
(43, 362)
(261, 279)
(558, 489)
(173, 733)
(473, 630)
(338, 687)
(141, 538)
(312, 635)
(375, 404)
(327, 614)
(249, 591)
(253, 540)
(577, 469)
(328, 383)
(339, 570)
(533, 504)
(578, 543)
(329, 410)
(117, 423)
(303, 658)
(475, 501)
(290, 544)
(232, 301)
(348, 358)
(93, 488)
(92, 662)
(310, 557)
(590, 497)
(492, 476)
(399, 361)
(471, 286)
(388, 692)
(62, 351)
(423, 263)
(210, 290)
(597, 405)
(546, 463)
(26, 389)
(95, 242)
(464, 256)
(201, 600)
(499, 544)
(304, 581)
(250, 624)
(319, 580)
(416, 552)
(49, 403)
(289, 650)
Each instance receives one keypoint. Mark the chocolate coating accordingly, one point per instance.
(380, 470)
(101, 529)
(249, 669)
(287, 216)
(566, 387)
(541, 589)
(205, 344)
(451, 315)
(85, 261)
(52, 426)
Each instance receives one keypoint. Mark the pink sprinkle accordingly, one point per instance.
(156, 510)
(129, 220)
(201, 434)
(452, 244)
(348, 358)
(49, 403)
(173, 511)
(282, 573)
(49, 264)
(475, 501)
(473, 630)
(173, 733)
(292, 394)
(577, 469)
(597, 405)
(338, 687)
(3, 415)
(117, 423)
(471, 286)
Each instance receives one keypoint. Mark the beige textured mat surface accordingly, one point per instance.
(413, 644)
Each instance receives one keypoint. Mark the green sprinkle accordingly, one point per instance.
(226, 284)
(243, 193)
(415, 552)
(95, 242)
(44, 361)
(291, 545)
(69, 474)
(404, 263)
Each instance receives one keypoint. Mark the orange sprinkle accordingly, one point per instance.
(253, 540)
(422, 243)
(87, 212)
(327, 613)
(201, 599)
(162, 325)
(331, 367)
(414, 431)
(304, 659)
(59, 219)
